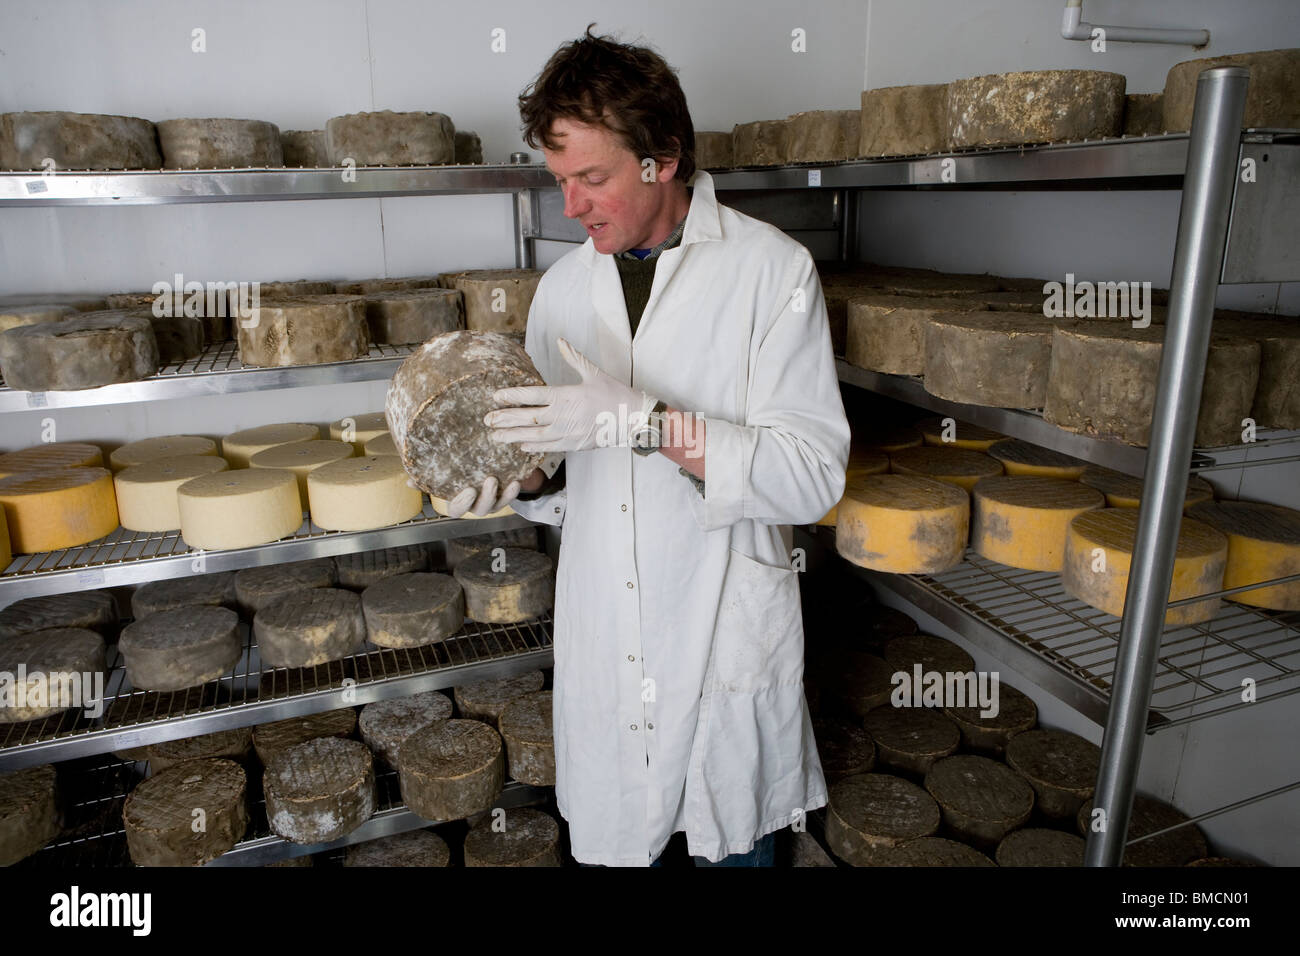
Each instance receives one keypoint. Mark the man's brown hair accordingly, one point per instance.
(630, 90)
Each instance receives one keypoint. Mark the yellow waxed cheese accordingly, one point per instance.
(1125, 491)
(1021, 520)
(146, 493)
(302, 458)
(861, 463)
(440, 506)
(1022, 458)
(6, 552)
(58, 508)
(240, 447)
(957, 466)
(62, 454)
(359, 429)
(240, 508)
(1263, 544)
(950, 433)
(891, 439)
(382, 445)
(152, 449)
(356, 494)
(1099, 552)
(902, 523)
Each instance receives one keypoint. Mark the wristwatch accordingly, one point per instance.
(645, 439)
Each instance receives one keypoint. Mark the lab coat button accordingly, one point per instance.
(629, 585)
(624, 507)
(632, 657)
(634, 726)
(649, 726)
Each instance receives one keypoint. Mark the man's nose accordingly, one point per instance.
(575, 202)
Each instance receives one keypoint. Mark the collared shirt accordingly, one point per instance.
(674, 238)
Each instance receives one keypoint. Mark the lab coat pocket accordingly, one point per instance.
(759, 636)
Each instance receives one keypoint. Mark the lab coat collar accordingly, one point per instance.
(702, 222)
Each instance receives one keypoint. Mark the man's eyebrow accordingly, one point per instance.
(580, 172)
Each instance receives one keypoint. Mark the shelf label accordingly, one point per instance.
(36, 186)
(35, 399)
(814, 177)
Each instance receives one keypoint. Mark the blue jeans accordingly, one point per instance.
(763, 854)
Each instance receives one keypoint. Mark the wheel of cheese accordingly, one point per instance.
(89, 610)
(527, 838)
(49, 672)
(413, 848)
(6, 552)
(235, 744)
(902, 523)
(904, 652)
(240, 447)
(822, 136)
(1022, 458)
(760, 143)
(255, 588)
(999, 359)
(1144, 114)
(436, 405)
(1272, 97)
(955, 466)
(12, 316)
(359, 429)
(1029, 301)
(443, 507)
(1178, 847)
(302, 458)
(1263, 544)
(451, 769)
(712, 150)
(176, 330)
(484, 700)
(1125, 491)
(927, 282)
(391, 284)
(904, 120)
(1108, 536)
(29, 811)
(304, 330)
(309, 627)
(78, 301)
(398, 318)
(937, 431)
(872, 812)
(458, 549)
(860, 463)
(381, 445)
(1103, 382)
(1277, 400)
(495, 300)
(883, 624)
(525, 726)
(319, 790)
(219, 143)
(911, 739)
(989, 735)
(1039, 847)
(147, 497)
(58, 508)
(181, 648)
(837, 299)
(77, 141)
(304, 148)
(385, 724)
(932, 851)
(858, 682)
(152, 449)
(239, 509)
(1061, 767)
(362, 569)
(1021, 521)
(357, 494)
(1220, 861)
(886, 333)
(891, 438)
(512, 586)
(1035, 106)
(179, 337)
(982, 800)
(278, 736)
(50, 456)
(469, 148)
(411, 610)
(386, 138)
(160, 818)
(844, 749)
(84, 350)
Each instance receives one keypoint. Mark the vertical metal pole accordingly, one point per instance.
(846, 208)
(525, 229)
(1198, 261)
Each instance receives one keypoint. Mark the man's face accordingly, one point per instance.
(603, 186)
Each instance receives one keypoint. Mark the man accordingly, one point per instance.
(678, 638)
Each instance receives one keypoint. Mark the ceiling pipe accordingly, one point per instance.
(1074, 28)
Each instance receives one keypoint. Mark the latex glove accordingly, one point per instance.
(482, 501)
(600, 411)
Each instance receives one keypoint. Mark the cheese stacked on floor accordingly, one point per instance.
(385, 724)
(886, 333)
(240, 447)
(92, 610)
(903, 524)
(1061, 767)
(159, 816)
(1099, 552)
(199, 590)
(1035, 106)
(359, 429)
(52, 455)
(147, 498)
(239, 509)
(512, 586)
(932, 851)
(1021, 521)
(29, 811)
(255, 588)
(1000, 359)
(235, 744)
(872, 812)
(956, 466)
(982, 800)
(946, 432)
(989, 735)
(357, 494)
(1125, 491)
(452, 769)
(1039, 847)
(320, 790)
(861, 463)
(362, 569)
(58, 508)
(302, 458)
(305, 330)
(411, 610)
(911, 739)
(46, 658)
(398, 318)
(151, 449)
(278, 736)
(525, 726)
(1021, 458)
(844, 748)
(905, 651)
(1263, 544)
(496, 300)
(413, 848)
(310, 627)
(529, 838)
(855, 681)
(485, 700)
(85, 350)
(889, 439)
(181, 648)
(1178, 847)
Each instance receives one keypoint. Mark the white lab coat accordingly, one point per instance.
(678, 696)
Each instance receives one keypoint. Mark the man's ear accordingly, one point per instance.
(667, 165)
